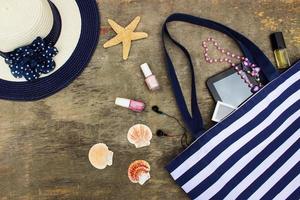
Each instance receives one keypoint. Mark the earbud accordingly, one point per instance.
(160, 133)
(156, 109)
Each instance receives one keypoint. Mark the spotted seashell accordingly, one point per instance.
(140, 135)
(138, 172)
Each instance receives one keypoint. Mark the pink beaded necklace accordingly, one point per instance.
(246, 69)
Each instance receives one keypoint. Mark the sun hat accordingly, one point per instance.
(44, 45)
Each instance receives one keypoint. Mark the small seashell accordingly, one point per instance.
(138, 172)
(140, 135)
(100, 156)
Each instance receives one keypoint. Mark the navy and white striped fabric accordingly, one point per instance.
(255, 152)
(252, 154)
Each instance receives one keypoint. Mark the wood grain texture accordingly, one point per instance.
(44, 145)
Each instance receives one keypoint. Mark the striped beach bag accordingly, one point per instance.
(254, 153)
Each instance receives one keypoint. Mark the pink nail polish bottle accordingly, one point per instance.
(150, 80)
(136, 106)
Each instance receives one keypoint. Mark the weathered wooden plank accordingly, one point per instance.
(44, 144)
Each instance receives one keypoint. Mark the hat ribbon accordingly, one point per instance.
(35, 59)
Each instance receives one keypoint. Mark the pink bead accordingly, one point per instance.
(255, 89)
(239, 72)
(219, 48)
(207, 59)
(215, 43)
(230, 61)
(228, 53)
(206, 54)
(245, 63)
(209, 39)
(212, 39)
(232, 55)
(206, 49)
(256, 69)
(238, 57)
(232, 65)
(236, 68)
(250, 85)
(215, 60)
(226, 59)
(210, 61)
(220, 60)
(223, 51)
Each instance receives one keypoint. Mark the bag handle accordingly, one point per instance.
(194, 121)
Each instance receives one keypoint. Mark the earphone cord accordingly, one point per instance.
(184, 138)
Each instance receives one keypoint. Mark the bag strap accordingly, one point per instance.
(194, 121)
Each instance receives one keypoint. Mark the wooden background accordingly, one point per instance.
(44, 144)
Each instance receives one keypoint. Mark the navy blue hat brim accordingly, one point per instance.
(44, 87)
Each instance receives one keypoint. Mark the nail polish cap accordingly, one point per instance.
(277, 41)
(122, 102)
(146, 70)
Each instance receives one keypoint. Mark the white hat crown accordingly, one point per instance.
(21, 21)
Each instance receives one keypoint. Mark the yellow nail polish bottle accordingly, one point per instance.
(280, 51)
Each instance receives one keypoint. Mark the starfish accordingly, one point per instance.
(125, 35)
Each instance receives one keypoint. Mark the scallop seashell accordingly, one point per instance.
(140, 135)
(100, 156)
(138, 172)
